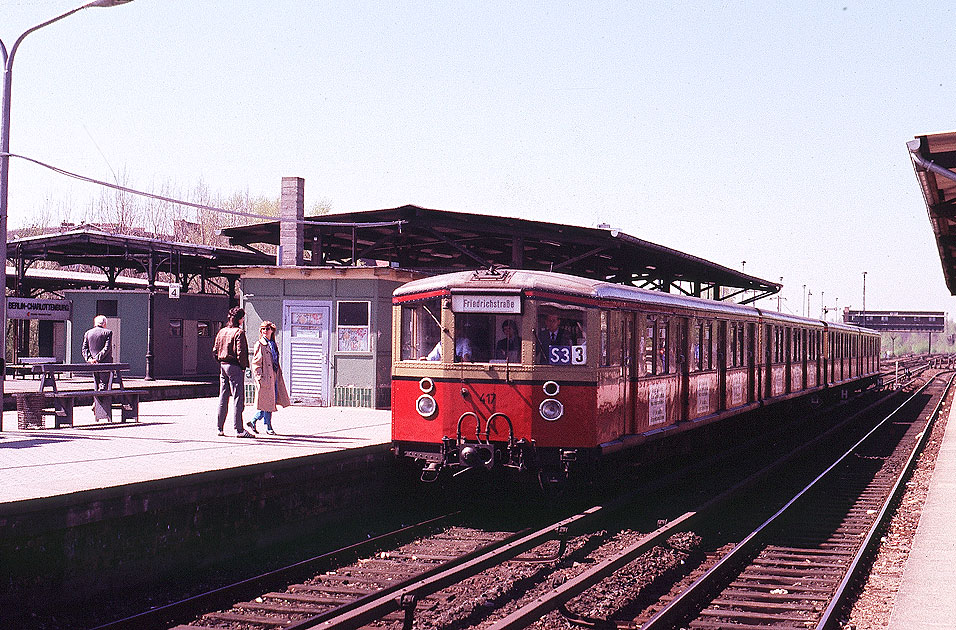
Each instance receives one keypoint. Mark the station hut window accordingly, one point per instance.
(107, 308)
(203, 329)
(352, 327)
(175, 328)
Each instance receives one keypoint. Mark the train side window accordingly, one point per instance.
(697, 355)
(734, 345)
(709, 344)
(605, 334)
(649, 338)
(663, 346)
(743, 345)
(421, 331)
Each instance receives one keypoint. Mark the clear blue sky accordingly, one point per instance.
(767, 132)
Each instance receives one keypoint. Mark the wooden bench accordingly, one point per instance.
(32, 406)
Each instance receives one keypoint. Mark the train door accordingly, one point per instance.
(683, 366)
(751, 362)
(721, 365)
(770, 342)
(629, 370)
(804, 357)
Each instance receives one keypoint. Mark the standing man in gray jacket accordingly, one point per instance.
(98, 347)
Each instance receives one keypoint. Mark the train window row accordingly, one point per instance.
(560, 338)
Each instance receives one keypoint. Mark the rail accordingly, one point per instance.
(676, 609)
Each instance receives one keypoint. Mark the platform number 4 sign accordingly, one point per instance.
(174, 292)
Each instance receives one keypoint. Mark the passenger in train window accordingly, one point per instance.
(552, 334)
(508, 347)
(463, 350)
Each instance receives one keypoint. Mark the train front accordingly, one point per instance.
(475, 388)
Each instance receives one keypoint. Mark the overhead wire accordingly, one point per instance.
(200, 206)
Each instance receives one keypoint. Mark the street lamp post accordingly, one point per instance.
(863, 323)
(5, 168)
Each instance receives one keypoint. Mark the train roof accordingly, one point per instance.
(504, 279)
(839, 326)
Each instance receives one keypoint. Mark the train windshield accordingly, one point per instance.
(561, 338)
(486, 338)
(421, 331)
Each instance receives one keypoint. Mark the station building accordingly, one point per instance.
(330, 290)
(328, 287)
(163, 318)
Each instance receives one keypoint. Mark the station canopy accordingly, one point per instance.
(934, 160)
(118, 256)
(437, 241)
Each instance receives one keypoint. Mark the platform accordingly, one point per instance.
(172, 438)
(925, 599)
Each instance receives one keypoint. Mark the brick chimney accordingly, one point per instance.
(291, 229)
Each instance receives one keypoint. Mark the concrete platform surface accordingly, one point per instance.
(172, 438)
(925, 599)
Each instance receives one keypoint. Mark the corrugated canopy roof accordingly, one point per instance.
(436, 241)
(934, 159)
(116, 253)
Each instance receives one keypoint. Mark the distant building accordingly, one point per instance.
(897, 321)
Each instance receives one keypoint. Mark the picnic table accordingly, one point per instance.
(49, 400)
(24, 365)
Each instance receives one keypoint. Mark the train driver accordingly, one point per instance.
(553, 334)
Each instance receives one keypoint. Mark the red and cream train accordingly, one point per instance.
(545, 372)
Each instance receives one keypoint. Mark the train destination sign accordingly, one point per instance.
(28, 308)
(510, 304)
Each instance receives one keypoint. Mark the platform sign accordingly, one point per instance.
(28, 308)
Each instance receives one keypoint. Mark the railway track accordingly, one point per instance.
(795, 569)
(426, 580)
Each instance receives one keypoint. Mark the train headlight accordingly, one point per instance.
(551, 388)
(426, 385)
(426, 406)
(551, 409)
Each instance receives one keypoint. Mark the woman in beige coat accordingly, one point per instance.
(270, 387)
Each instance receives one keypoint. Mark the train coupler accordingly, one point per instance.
(430, 472)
